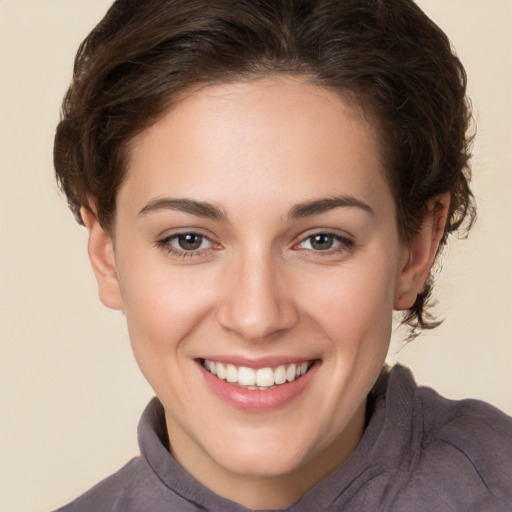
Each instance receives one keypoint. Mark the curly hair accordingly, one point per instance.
(386, 56)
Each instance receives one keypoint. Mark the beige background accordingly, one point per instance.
(70, 393)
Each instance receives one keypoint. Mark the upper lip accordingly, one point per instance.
(262, 362)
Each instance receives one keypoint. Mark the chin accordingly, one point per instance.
(265, 454)
(261, 463)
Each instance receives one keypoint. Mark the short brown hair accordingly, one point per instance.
(386, 55)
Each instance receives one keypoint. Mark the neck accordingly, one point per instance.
(273, 492)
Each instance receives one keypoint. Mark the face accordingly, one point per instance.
(257, 261)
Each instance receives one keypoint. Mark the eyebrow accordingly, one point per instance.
(318, 206)
(198, 208)
(210, 211)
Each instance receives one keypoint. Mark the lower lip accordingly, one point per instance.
(255, 400)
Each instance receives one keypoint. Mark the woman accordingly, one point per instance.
(264, 183)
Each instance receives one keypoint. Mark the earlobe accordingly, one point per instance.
(420, 253)
(101, 254)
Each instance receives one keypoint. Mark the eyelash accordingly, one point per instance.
(166, 244)
(344, 244)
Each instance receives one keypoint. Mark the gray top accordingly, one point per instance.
(420, 452)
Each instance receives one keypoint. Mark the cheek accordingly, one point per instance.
(354, 306)
(162, 306)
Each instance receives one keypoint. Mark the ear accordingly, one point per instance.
(101, 254)
(420, 252)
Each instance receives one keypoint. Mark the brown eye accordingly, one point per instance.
(322, 242)
(185, 244)
(326, 242)
(189, 241)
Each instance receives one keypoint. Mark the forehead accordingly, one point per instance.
(275, 139)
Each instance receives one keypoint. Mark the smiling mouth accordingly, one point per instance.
(260, 379)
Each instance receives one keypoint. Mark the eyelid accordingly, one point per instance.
(164, 243)
(346, 241)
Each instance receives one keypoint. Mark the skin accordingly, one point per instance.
(257, 288)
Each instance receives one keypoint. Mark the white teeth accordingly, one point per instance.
(231, 373)
(246, 376)
(280, 374)
(221, 371)
(262, 378)
(265, 377)
(291, 373)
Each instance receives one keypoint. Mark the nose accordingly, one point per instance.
(257, 301)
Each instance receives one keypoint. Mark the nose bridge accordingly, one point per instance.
(256, 304)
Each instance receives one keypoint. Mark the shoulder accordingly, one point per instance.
(472, 423)
(464, 449)
(465, 421)
(474, 431)
(152, 482)
(107, 494)
(479, 430)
